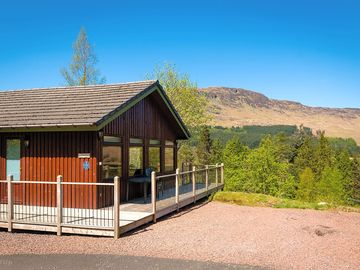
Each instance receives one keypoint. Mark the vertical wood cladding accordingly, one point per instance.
(148, 119)
(48, 155)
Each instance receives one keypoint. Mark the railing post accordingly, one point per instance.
(116, 207)
(10, 210)
(177, 175)
(153, 195)
(217, 174)
(222, 173)
(207, 179)
(59, 204)
(193, 183)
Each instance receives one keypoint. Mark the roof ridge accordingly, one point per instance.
(77, 86)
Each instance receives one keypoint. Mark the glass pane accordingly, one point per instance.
(13, 158)
(111, 161)
(169, 159)
(169, 143)
(155, 142)
(135, 161)
(136, 141)
(154, 158)
(111, 139)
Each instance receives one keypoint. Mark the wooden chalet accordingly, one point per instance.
(86, 134)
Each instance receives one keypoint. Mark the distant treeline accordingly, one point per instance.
(282, 161)
(251, 136)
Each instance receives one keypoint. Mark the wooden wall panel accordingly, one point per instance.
(148, 119)
(48, 155)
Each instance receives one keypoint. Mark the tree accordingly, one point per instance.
(82, 70)
(330, 188)
(322, 155)
(233, 156)
(183, 93)
(263, 171)
(216, 152)
(203, 148)
(306, 188)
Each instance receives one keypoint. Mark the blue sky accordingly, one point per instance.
(307, 51)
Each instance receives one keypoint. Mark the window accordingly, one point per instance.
(135, 160)
(111, 157)
(169, 143)
(154, 158)
(169, 159)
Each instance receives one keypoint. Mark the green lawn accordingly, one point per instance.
(261, 200)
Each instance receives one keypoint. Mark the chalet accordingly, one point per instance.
(87, 134)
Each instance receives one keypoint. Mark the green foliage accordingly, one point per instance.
(204, 146)
(233, 156)
(306, 188)
(216, 152)
(184, 95)
(263, 171)
(82, 70)
(349, 144)
(330, 188)
(251, 135)
(262, 200)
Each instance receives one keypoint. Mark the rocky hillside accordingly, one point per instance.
(239, 107)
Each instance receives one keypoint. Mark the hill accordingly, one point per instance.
(240, 107)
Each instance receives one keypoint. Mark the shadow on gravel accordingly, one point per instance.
(87, 262)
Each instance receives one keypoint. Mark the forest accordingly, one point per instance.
(290, 163)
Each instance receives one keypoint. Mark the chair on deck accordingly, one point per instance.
(140, 179)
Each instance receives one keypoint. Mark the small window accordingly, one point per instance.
(154, 158)
(111, 139)
(154, 142)
(169, 159)
(135, 160)
(136, 141)
(169, 143)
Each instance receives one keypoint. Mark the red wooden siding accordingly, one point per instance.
(50, 154)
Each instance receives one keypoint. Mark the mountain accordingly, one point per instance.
(240, 107)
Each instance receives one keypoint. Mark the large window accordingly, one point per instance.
(154, 155)
(169, 159)
(136, 151)
(111, 157)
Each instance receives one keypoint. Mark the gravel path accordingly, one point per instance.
(274, 238)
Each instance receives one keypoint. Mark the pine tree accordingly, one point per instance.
(216, 152)
(203, 148)
(82, 70)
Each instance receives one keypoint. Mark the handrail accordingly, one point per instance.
(189, 172)
(62, 183)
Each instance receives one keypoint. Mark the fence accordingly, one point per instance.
(94, 208)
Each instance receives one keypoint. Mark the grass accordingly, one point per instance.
(261, 200)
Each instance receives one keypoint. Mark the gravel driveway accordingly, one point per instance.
(266, 237)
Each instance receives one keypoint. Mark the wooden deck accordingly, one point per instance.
(133, 214)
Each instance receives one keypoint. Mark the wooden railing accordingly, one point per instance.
(94, 208)
(198, 187)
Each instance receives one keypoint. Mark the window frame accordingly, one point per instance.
(110, 143)
(155, 143)
(168, 144)
(142, 145)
